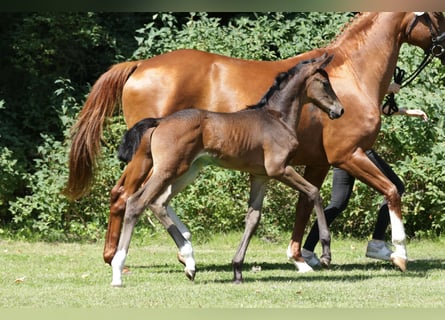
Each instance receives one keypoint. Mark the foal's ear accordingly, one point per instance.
(326, 61)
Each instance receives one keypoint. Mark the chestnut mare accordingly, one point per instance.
(260, 140)
(365, 58)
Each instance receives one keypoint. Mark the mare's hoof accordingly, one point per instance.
(190, 274)
(399, 262)
(180, 258)
(301, 266)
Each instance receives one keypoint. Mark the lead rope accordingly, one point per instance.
(390, 105)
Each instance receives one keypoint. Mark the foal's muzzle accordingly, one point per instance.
(337, 113)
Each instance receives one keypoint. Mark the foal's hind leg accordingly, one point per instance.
(154, 194)
(132, 178)
(257, 190)
(291, 178)
(135, 175)
(159, 208)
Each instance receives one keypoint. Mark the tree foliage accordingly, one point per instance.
(51, 60)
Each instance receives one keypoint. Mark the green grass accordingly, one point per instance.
(42, 275)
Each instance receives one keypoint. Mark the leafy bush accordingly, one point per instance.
(45, 213)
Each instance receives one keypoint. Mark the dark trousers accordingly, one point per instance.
(342, 185)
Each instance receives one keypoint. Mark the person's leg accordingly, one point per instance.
(342, 184)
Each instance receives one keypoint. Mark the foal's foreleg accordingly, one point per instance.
(257, 190)
(291, 178)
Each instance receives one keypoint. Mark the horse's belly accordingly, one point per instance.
(245, 165)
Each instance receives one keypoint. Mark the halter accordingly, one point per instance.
(437, 50)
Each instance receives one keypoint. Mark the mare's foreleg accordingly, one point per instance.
(364, 169)
(258, 186)
(311, 199)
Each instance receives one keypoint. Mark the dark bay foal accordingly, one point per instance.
(260, 140)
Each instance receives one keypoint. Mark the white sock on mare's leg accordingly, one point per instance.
(302, 267)
(398, 236)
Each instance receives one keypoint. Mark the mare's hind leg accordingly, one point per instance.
(257, 190)
(291, 178)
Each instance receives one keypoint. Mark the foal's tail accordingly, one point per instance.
(132, 138)
(87, 132)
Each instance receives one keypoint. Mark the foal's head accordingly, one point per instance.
(318, 89)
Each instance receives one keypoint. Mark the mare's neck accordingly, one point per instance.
(370, 47)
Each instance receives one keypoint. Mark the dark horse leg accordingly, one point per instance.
(316, 176)
(258, 186)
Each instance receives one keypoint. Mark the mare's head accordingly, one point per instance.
(427, 30)
(318, 89)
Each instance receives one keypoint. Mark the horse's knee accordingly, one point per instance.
(313, 195)
(253, 218)
(115, 193)
(117, 207)
(133, 209)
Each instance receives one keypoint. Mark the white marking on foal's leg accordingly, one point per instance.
(117, 265)
(179, 224)
(301, 266)
(186, 252)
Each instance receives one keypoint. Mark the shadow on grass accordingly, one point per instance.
(344, 272)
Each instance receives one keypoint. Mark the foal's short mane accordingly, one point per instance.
(280, 81)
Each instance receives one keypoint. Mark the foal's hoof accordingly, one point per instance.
(399, 262)
(180, 258)
(117, 285)
(190, 274)
(325, 262)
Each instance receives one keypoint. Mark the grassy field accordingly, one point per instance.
(42, 275)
